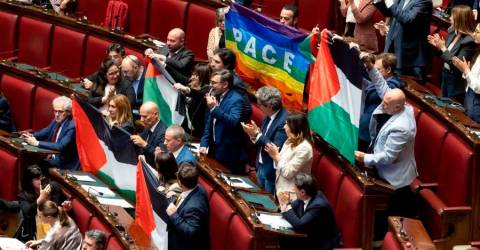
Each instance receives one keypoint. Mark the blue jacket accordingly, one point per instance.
(186, 155)
(409, 28)
(276, 134)
(228, 145)
(66, 144)
(155, 139)
(188, 227)
(372, 100)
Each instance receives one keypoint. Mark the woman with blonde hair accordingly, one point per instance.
(63, 234)
(120, 113)
(459, 43)
(295, 156)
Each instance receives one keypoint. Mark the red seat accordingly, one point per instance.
(428, 143)
(137, 16)
(19, 94)
(272, 8)
(417, 110)
(42, 113)
(34, 42)
(257, 114)
(166, 15)
(220, 215)
(95, 53)
(206, 186)
(200, 21)
(390, 243)
(81, 215)
(114, 244)
(314, 13)
(67, 52)
(348, 213)
(93, 9)
(8, 29)
(96, 223)
(239, 235)
(9, 170)
(328, 177)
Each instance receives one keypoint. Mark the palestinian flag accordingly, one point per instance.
(159, 89)
(151, 215)
(335, 100)
(103, 151)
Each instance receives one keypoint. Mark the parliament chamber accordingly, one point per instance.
(44, 55)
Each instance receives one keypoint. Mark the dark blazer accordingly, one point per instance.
(188, 227)
(123, 87)
(241, 88)
(6, 123)
(409, 28)
(186, 155)
(66, 144)
(372, 100)
(155, 139)
(197, 108)
(465, 47)
(179, 64)
(317, 221)
(139, 95)
(472, 105)
(276, 134)
(228, 146)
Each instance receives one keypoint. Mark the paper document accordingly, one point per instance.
(99, 191)
(275, 221)
(83, 177)
(236, 182)
(115, 202)
(11, 244)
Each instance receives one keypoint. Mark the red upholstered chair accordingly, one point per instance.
(257, 114)
(220, 215)
(390, 243)
(417, 110)
(42, 113)
(348, 213)
(96, 223)
(206, 186)
(314, 13)
(166, 15)
(93, 9)
(200, 21)
(19, 94)
(239, 235)
(81, 215)
(272, 8)
(428, 143)
(95, 53)
(34, 42)
(137, 16)
(447, 208)
(114, 244)
(8, 29)
(67, 52)
(328, 177)
(9, 169)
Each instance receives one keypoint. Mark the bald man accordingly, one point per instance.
(391, 151)
(153, 134)
(134, 71)
(177, 59)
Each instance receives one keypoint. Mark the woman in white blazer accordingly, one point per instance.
(295, 156)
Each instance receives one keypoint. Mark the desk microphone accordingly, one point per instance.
(98, 192)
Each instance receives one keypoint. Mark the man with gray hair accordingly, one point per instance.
(269, 100)
(59, 135)
(94, 240)
(175, 143)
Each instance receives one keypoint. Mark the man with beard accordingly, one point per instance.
(222, 136)
(178, 60)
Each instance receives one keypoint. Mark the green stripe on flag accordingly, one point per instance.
(130, 195)
(152, 93)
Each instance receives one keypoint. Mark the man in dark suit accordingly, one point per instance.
(134, 72)
(188, 218)
(407, 35)
(154, 133)
(59, 135)
(175, 143)
(178, 60)
(311, 214)
(269, 100)
(223, 131)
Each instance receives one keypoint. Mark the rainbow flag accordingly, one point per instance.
(268, 52)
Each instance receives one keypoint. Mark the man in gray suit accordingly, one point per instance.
(391, 152)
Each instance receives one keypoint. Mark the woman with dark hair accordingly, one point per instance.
(295, 156)
(109, 83)
(167, 168)
(120, 113)
(195, 97)
(26, 202)
(460, 44)
(63, 233)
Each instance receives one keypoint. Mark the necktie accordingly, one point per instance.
(179, 200)
(55, 132)
(302, 209)
(149, 134)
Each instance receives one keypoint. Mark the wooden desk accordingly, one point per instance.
(413, 232)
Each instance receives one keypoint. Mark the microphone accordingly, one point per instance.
(93, 194)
